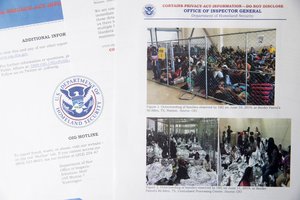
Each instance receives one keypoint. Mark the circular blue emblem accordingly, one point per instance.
(149, 10)
(78, 101)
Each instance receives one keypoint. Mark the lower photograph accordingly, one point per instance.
(255, 152)
(234, 152)
(182, 151)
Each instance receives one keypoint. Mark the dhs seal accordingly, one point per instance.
(78, 101)
(149, 10)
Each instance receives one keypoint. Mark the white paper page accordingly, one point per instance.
(152, 113)
(56, 78)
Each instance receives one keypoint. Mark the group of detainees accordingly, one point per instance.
(231, 76)
(178, 159)
(254, 160)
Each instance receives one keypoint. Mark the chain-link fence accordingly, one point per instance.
(198, 60)
(236, 68)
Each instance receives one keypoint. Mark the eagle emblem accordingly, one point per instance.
(149, 10)
(77, 101)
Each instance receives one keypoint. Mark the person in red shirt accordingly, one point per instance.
(178, 76)
(178, 72)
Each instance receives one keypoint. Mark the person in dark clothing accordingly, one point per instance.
(270, 148)
(273, 155)
(182, 171)
(197, 156)
(240, 140)
(252, 145)
(259, 143)
(247, 177)
(251, 148)
(173, 150)
(229, 131)
(224, 137)
(165, 150)
(207, 163)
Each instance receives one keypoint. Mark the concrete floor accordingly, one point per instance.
(160, 94)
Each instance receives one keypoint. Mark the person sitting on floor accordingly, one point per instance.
(247, 177)
(227, 94)
(273, 155)
(284, 178)
(178, 78)
(182, 171)
(167, 78)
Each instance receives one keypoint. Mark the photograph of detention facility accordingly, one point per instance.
(182, 151)
(255, 152)
(211, 66)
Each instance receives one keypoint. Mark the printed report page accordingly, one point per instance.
(57, 82)
(206, 102)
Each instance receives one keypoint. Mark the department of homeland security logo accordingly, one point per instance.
(78, 101)
(149, 10)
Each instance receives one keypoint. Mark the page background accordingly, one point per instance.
(30, 124)
(131, 98)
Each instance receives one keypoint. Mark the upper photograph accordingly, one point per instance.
(211, 66)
